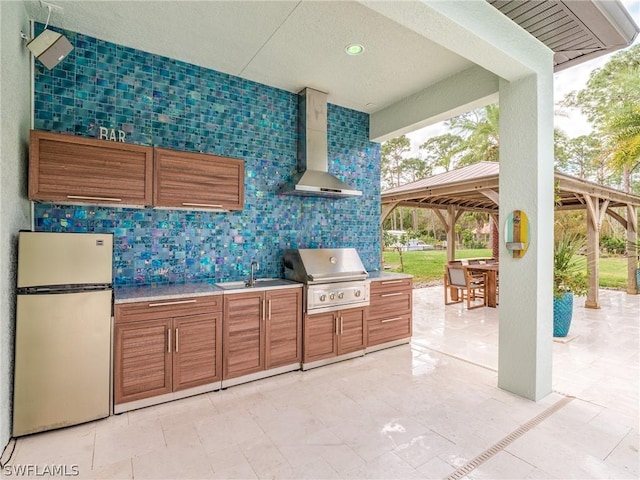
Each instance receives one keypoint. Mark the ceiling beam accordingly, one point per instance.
(466, 91)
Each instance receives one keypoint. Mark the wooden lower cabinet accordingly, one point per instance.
(262, 331)
(283, 332)
(197, 354)
(320, 339)
(333, 334)
(390, 311)
(243, 334)
(164, 347)
(142, 362)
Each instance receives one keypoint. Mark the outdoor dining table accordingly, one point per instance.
(491, 290)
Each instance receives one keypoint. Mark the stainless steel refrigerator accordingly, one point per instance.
(63, 330)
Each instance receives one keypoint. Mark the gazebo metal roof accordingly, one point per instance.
(475, 188)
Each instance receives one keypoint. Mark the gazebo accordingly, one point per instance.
(474, 188)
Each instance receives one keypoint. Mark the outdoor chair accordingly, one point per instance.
(457, 279)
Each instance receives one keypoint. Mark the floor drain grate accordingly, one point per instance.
(502, 444)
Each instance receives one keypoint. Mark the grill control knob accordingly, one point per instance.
(357, 293)
(332, 296)
(323, 297)
(341, 295)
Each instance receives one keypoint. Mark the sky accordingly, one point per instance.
(571, 122)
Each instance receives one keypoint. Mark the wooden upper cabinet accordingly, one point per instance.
(68, 168)
(197, 181)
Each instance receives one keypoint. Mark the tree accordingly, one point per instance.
(481, 132)
(393, 155)
(623, 143)
(441, 151)
(581, 156)
(609, 87)
(398, 169)
(611, 100)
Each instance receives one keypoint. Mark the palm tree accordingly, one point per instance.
(623, 146)
(481, 132)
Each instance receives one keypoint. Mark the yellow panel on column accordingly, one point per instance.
(517, 233)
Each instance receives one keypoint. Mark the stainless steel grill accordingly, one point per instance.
(335, 278)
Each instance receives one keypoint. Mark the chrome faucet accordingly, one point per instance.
(252, 277)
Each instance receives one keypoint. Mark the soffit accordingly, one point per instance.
(575, 30)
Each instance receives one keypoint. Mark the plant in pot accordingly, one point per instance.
(569, 279)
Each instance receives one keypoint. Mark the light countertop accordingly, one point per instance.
(155, 292)
(375, 276)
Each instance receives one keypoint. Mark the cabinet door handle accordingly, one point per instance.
(337, 319)
(168, 340)
(206, 205)
(391, 294)
(391, 282)
(102, 199)
(394, 319)
(341, 325)
(269, 309)
(264, 310)
(179, 302)
(176, 339)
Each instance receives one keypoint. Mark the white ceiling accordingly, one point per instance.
(285, 44)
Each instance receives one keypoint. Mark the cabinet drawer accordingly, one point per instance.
(175, 307)
(386, 329)
(391, 285)
(389, 302)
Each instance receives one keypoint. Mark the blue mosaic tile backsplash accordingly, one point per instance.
(168, 103)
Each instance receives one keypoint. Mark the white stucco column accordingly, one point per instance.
(526, 183)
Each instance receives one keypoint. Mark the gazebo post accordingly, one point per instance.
(449, 222)
(595, 215)
(632, 250)
(495, 236)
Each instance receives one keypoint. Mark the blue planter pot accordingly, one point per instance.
(638, 277)
(562, 313)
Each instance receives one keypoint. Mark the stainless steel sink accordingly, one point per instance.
(260, 283)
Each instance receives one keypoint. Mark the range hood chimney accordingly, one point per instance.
(313, 178)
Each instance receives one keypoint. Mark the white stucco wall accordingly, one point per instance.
(14, 206)
(521, 68)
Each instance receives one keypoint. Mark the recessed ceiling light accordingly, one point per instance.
(354, 49)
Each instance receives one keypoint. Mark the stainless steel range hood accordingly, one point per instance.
(313, 178)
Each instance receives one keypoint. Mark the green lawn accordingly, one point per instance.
(429, 265)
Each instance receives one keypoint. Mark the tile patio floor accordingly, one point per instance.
(415, 411)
